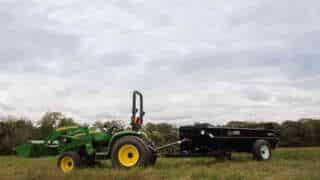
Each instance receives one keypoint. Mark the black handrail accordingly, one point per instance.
(136, 122)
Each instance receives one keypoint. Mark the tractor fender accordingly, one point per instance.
(121, 134)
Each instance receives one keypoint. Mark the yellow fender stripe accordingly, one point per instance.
(66, 127)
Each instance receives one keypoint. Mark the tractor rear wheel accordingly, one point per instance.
(129, 152)
(68, 161)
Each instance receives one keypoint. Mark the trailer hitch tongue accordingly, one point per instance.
(173, 144)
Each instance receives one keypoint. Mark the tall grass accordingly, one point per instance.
(287, 163)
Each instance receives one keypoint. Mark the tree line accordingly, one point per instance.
(15, 131)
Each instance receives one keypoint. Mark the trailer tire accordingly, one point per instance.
(68, 161)
(128, 152)
(262, 150)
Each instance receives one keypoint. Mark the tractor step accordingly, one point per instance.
(102, 153)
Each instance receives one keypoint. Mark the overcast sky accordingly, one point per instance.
(195, 61)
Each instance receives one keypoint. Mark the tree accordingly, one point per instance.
(14, 131)
(53, 120)
(162, 133)
(65, 121)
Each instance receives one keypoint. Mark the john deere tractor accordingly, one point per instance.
(80, 147)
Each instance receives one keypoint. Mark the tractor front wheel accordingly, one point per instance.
(129, 152)
(68, 161)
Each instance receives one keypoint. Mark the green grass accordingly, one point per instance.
(287, 163)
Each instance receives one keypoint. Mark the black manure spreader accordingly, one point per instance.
(207, 140)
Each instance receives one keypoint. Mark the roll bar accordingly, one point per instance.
(136, 122)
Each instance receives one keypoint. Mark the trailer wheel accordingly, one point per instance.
(68, 161)
(261, 150)
(129, 152)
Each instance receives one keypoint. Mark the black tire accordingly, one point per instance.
(68, 161)
(143, 157)
(262, 150)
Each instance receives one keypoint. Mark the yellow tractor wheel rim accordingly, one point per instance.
(67, 164)
(128, 155)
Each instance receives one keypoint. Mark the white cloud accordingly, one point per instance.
(208, 61)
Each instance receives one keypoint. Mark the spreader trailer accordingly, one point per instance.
(205, 140)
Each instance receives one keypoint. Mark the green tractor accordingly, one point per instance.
(80, 147)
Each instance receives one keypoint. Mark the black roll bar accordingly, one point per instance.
(136, 122)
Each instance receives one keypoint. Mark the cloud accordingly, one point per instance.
(208, 61)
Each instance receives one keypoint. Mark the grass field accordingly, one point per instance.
(287, 163)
